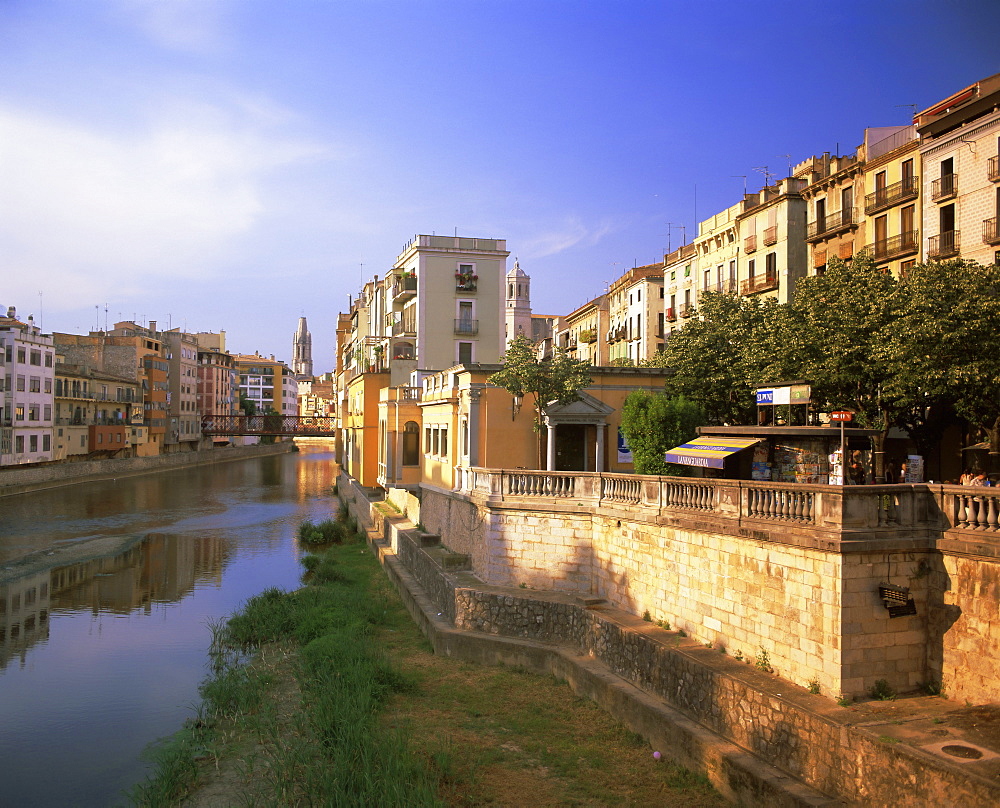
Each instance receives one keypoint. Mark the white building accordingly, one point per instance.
(28, 373)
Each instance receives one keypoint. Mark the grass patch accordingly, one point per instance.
(344, 703)
(329, 531)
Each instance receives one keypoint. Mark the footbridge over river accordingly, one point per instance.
(301, 426)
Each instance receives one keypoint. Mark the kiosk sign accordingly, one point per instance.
(841, 415)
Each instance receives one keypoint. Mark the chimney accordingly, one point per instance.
(12, 312)
(152, 326)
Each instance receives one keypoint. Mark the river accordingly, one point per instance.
(107, 594)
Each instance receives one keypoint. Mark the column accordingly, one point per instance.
(599, 459)
(550, 453)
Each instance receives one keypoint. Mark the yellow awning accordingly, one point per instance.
(708, 452)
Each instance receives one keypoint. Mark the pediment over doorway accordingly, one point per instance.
(586, 410)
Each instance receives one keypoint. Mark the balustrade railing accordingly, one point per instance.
(975, 511)
(931, 511)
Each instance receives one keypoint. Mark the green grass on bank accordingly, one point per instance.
(333, 750)
(331, 696)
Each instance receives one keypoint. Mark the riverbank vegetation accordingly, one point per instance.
(330, 695)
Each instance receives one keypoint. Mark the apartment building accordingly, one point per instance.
(181, 353)
(771, 229)
(28, 374)
(834, 187)
(636, 315)
(216, 385)
(892, 208)
(960, 189)
(122, 354)
(583, 332)
(441, 304)
(261, 381)
(95, 413)
(680, 276)
(717, 246)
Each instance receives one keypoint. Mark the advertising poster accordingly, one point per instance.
(624, 453)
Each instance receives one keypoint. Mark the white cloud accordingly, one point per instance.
(114, 213)
(187, 25)
(565, 236)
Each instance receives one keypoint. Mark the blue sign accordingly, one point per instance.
(765, 397)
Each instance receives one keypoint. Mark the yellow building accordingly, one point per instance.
(835, 186)
(892, 204)
(469, 423)
(583, 332)
(680, 274)
(636, 315)
(772, 238)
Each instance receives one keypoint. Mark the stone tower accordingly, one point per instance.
(518, 304)
(302, 363)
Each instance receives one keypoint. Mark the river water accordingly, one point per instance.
(107, 594)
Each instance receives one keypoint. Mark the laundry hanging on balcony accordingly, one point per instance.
(708, 452)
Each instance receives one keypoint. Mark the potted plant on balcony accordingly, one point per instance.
(466, 281)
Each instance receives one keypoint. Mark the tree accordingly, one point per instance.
(835, 336)
(945, 343)
(722, 355)
(554, 380)
(652, 424)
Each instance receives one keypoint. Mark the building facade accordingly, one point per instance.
(28, 374)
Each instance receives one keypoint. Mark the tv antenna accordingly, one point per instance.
(768, 174)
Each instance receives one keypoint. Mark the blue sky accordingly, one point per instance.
(235, 164)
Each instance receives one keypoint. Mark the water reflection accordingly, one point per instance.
(107, 592)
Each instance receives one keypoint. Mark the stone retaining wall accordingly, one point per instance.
(797, 732)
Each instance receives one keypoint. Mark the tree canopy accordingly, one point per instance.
(553, 380)
(654, 423)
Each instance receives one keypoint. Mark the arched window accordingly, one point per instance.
(411, 444)
(510, 290)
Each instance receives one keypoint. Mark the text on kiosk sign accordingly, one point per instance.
(793, 394)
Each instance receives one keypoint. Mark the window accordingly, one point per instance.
(465, 353)
(751, 268)
(19, 443)
(33, 443)
(34, 385)
(48, 413)
(20, 383)
(21, 355)
(427, 439)
(19, 412)
(9, 353)
(771, 264)
(411, 444)
(48, 385)
(907, 167)
(36, 358)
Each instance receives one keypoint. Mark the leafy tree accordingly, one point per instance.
(553, 380)
(722, 355)
(247, 406)
(652, 424)
(945, 345)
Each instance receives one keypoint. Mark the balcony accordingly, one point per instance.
(990, 234)
(894, 247)
(993, 169)
(944, 245)
(771, 236)
(944, 188)
(831, 224)
(687, 310)
(760, 283)
(671, 315)
(466, 328)
(404, 328)
(405, 288)
(466, 282)
(891, 195)
(750, 244)
(726, 287)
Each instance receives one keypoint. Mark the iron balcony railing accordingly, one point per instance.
(993, 168)
(687, 309)
(883, 198)
(831, 224)
(467, 328)
(944, 188)
(404, 328)
(760, 283)
(671, 315)
(990, 234)
(771, 236)
(894, 246)
(750, 244)
(944, 245)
